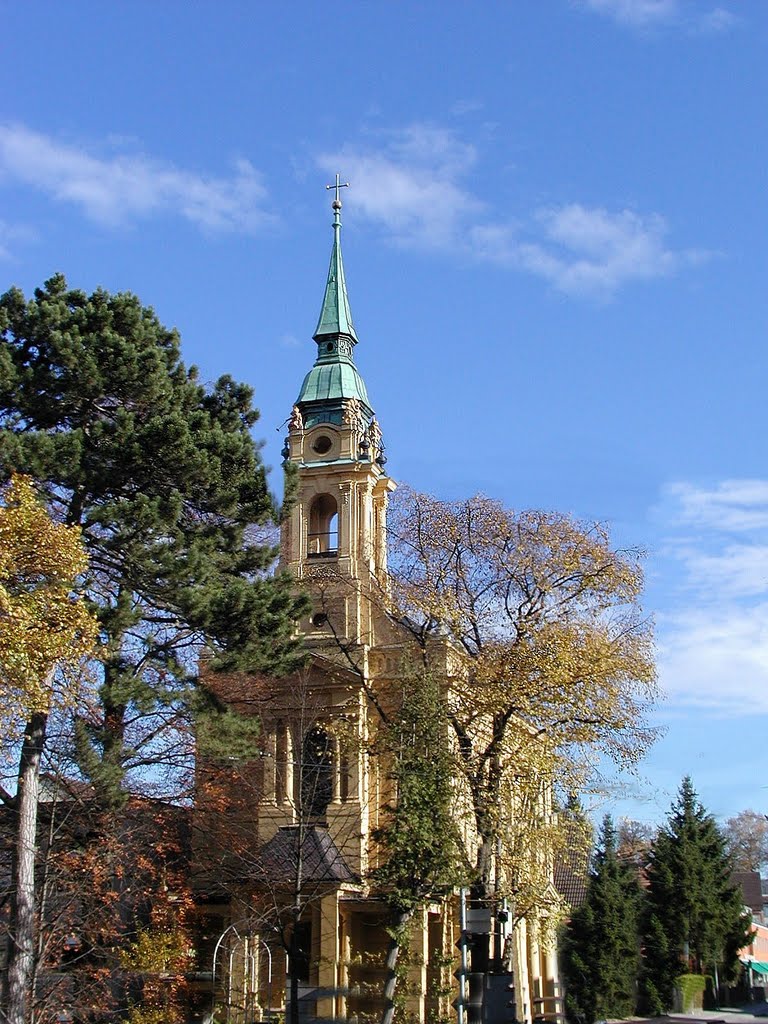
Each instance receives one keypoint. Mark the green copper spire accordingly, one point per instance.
(335, 316)
(334, 379)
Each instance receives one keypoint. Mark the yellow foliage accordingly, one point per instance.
(551, 659)
(147, 1015)
(43, 624)
(544, 613)
(156, 951)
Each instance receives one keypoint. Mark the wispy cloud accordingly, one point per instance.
(718, 20)
(714, 638)
(732, 505)
(588, 250)
(118, 188)
(13, 234)
(643, 14)
(414, 184)
(718, 662)
(635, 12)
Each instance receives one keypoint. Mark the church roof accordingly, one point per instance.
(321, 859)
(335, 314)
(328, 381)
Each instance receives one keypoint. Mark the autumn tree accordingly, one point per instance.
(161, 474)
(601, 943)
(45, 632)
(747, 837)
(694, 915)
(542, 620)
(634, 841)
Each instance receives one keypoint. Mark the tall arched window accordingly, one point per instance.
(316, 769)
(323, 527)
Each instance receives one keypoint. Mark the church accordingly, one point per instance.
(284, 847)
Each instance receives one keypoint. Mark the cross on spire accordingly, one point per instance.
(339, 184)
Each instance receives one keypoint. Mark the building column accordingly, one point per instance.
(327, 970)
(417, 973)
(287, 745)
(553, 990)
(535, 976)
(336, 772)
(270, 757)
(521, 977)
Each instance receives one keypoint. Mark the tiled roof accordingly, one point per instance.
(571, 876)
(751, 887)
(278, 859)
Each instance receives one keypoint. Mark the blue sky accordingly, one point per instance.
(555, 249)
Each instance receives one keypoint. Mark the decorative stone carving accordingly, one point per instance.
(296, 421)
(374, 433)
(353, 415)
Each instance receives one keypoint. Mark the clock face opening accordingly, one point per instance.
(322, 444)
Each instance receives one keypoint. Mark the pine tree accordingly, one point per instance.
(164, 479)
(601, 957)
(694, 920)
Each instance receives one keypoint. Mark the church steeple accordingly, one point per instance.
(334, 379)
(335, 315)
(335, 443)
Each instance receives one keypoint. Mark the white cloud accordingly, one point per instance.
(635, 12)
(414, 185)
(411, 185)
(738, 570)
(119, 188)
(590, 250)
(643, 14)
(716, 661)
(733, 505)
(713, 649)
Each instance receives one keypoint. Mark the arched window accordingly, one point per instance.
(323, 529)
(316, 769)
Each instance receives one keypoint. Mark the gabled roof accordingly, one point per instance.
(278, 859)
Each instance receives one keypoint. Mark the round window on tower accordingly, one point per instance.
(322, 444)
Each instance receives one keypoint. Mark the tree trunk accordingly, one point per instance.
(390, 964)
(22, 925)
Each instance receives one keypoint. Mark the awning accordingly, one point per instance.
(757, 965)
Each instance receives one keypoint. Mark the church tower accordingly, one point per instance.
(289, 867)
(334, 541)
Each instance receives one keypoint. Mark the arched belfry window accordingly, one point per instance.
(323, 527)
(316, 773)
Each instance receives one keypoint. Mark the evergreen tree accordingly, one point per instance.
(694, 920)
(164, 479)
(422, 853)
(601, 955)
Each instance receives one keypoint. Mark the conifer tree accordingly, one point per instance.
(164, 479)
(422, 853)
(694, 920)
(601, 955)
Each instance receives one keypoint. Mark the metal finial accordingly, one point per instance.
(336, 204)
